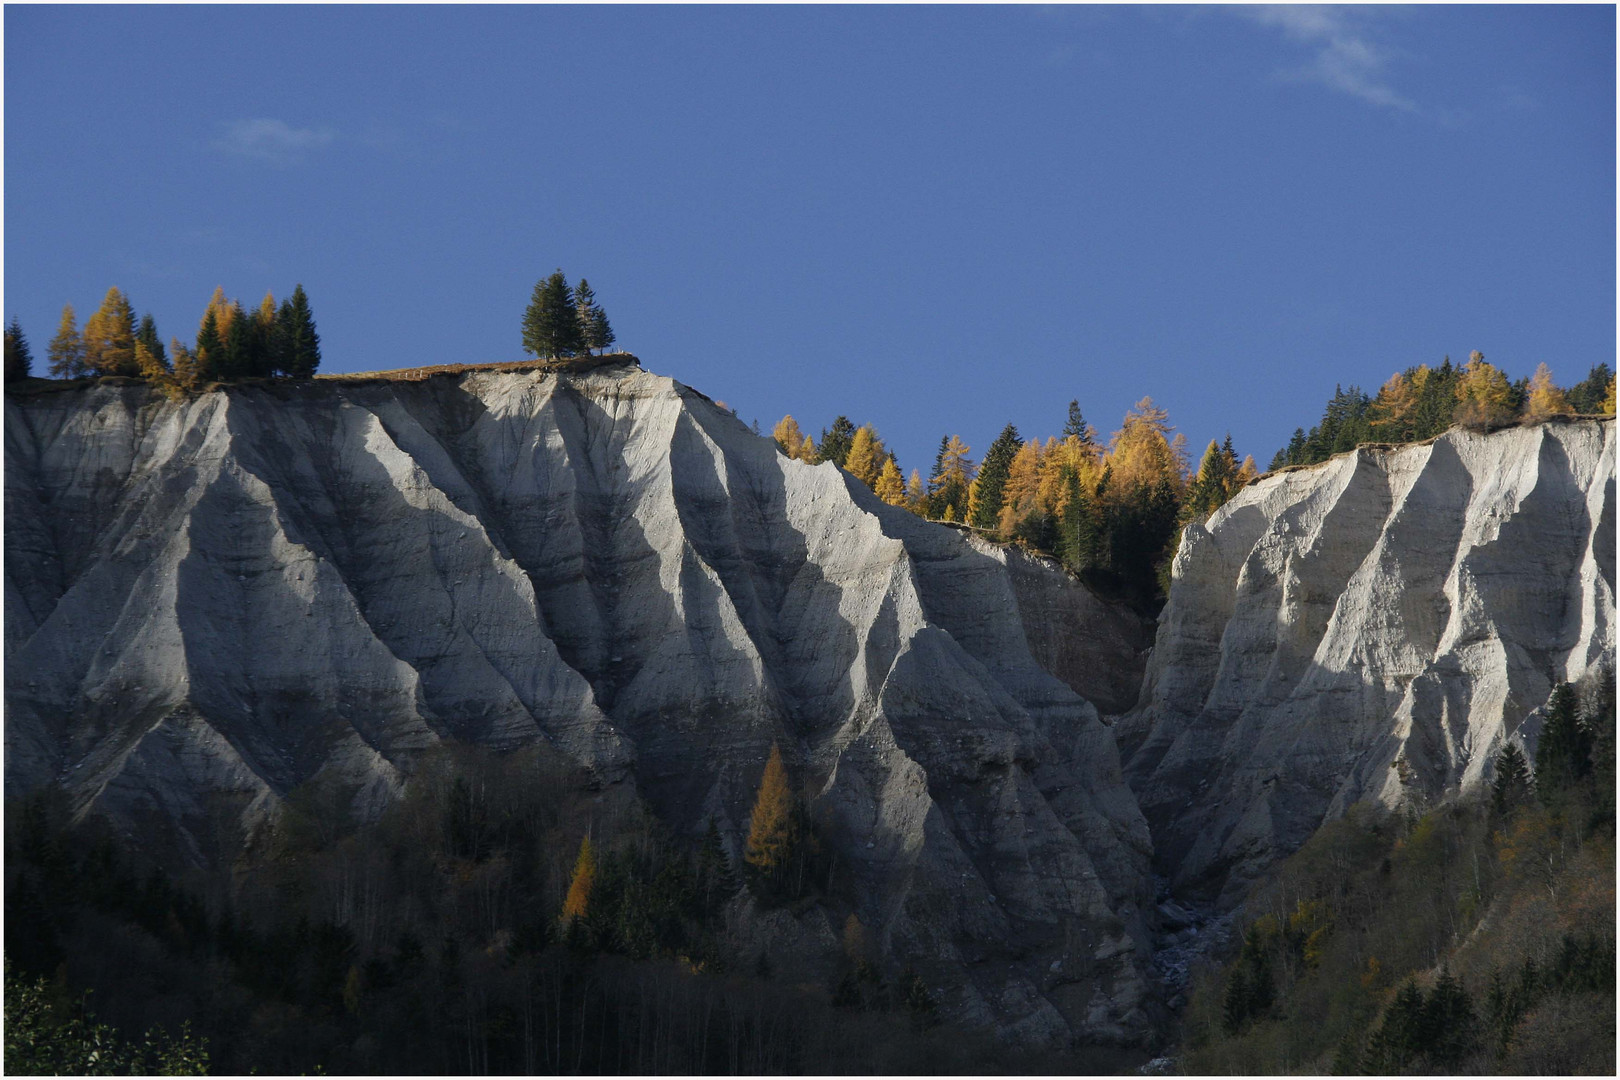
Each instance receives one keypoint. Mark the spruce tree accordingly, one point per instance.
(1564, 751)
(989, 486)
(716, 882)
(595, 333)
(262, 339)
(210, 349)
(1076, 426)
(66, 350)
(236, 359)
(19, 361)
(1587, 395)
(299, 346)
(1511, 787)
(146, 334)
(551, 323)
(835, 443)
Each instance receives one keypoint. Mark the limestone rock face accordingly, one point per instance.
(1369, 628)
(211, 601)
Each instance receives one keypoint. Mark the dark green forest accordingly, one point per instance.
(1474, 936)
(435, 940)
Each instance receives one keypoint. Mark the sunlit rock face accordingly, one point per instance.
(212, 601)
(1372, 627)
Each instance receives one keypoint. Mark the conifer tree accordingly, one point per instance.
(1076, 426)
(66, 350)
(1079, 529)
(834, 444)
(585, 308)
(577, 905)
(1396, 1043)
(210, 348)
(1449, 1027)
(146, 334)
(889, 487)
(1546, 399)
(1511, 787)
(299, 349)
(551, 323)
(599, 332)
(185, 369)
(807, 452)
(716, 883)
(864, 461)
(1483, 394)
(1564, 751)
(1607, 405)
(262, 359)
(109, 336)
(775, 831)
(1211, 485)
(1586, 396)
(788, 437)
(948, 487)
(19, 361)
(988, 489)
(236, 360)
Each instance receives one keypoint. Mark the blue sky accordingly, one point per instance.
(931, 219)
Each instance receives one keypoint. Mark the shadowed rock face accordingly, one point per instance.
(1370, 628)
(209, 602)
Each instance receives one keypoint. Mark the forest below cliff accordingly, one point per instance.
(1473, 936)
(452, 935)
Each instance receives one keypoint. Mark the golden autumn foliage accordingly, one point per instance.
(788, 436)
(866, 456)
(1484, 398)
(1141, 453)
(1608, 399)
(916, 494)
(1020, 497)
(773, 829)
(1546, 399)
(109, 336)
(578, 902)
(807, 451)
(889, 487)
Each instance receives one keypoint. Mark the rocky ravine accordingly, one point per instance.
(212, 601)
(1370, 628)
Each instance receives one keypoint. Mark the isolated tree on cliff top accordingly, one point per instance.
(19, 361)
(551, 322)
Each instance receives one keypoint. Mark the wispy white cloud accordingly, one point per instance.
(273, 142)
(1346, 57)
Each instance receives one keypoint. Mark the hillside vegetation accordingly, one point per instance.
(1476, 936)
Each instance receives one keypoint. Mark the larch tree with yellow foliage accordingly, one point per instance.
(1546, 399)
(1484, 397)
(776, 840)
(866, 456)
(788, 436)
(578, 903)
(1608, 399)
(948, 487)
(890, 487)
(109, 336)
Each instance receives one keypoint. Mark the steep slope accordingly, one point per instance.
(211, 601)
(1370, 628)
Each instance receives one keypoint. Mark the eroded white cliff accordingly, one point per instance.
(1369, 628)
(211, 601)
